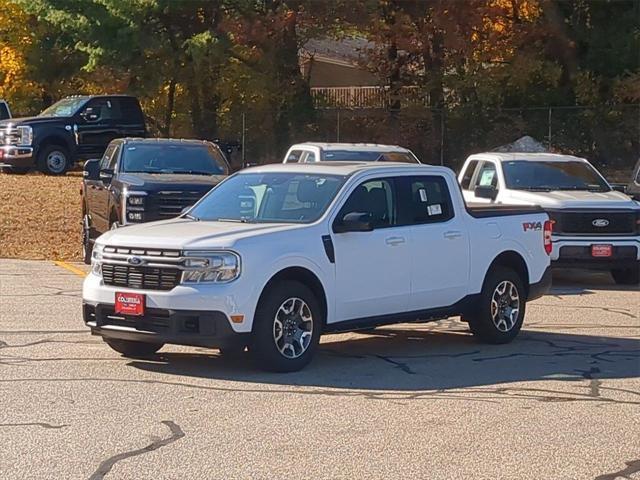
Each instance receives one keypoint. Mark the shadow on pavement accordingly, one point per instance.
(399, 359)
(572, 281)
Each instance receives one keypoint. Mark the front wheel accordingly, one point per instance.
(628, 276)
(499, 313)
(132, 349)
(287, 328)
(54, 160)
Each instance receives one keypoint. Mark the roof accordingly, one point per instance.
(338, 168)
(347, 49)
(531, 157)
(353, 147)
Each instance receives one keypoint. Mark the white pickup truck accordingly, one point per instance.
(594, 227)
(274, 256)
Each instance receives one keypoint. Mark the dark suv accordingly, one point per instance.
(69, 130)
(140, 180)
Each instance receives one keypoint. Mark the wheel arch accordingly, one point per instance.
(55, 139)
(515, 261)
(304, 276)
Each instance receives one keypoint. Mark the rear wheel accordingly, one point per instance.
(499, 313)
(628, 276)
(287, 328)
(54, 160)
(132, 349)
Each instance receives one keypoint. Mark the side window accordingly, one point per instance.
(98, 110)
(468, 174)
(294, 156)
(128, 111)
(638, 175)
(106, 158)
(310, 157)
(113, 160)
(487, 176)
(4, 111)
(430, 201)
(376, 198)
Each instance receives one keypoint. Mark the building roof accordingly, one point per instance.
(348, 49)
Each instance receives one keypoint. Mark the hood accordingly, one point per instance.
(32, 120)
(183, 233)
(572, 199)
(170, 181)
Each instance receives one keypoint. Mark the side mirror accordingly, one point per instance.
(91, 169)
(354, 222)
(106, 175)
(487, 191)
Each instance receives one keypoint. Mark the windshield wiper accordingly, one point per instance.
(536, 189)
(191, 172)
(234, 220)
(191, 217)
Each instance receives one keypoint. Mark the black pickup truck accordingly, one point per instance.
(71, 129)
(140, 180)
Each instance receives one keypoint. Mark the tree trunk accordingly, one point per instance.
(170, 106)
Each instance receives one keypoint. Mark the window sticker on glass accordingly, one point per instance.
(487, 177)
(434, 209)
(423, 195)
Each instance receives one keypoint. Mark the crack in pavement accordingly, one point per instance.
(632, 467)
(37, 424)
(106, 466)
(402, 366)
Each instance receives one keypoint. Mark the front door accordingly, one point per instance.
(479, 174)
(98, 193)
(94, 127)
(372, 268)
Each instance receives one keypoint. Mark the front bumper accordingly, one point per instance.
(576, 252)
(182, 327)
(14, 156)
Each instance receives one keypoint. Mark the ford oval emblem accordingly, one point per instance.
(600, 222)
(135, 261)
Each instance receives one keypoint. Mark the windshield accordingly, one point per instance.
(66, 107)
(572, 175)
(282, 197)
(196, 159)
(367, 156)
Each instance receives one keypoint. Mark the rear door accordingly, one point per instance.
(439, 245)
(372, 268)
(128, 117)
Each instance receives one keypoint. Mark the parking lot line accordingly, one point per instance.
(70, 267)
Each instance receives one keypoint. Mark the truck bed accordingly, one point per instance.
(481, 210)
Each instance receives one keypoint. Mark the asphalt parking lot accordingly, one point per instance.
(412, 401)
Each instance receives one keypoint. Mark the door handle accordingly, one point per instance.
(452, 235)
(393, 241)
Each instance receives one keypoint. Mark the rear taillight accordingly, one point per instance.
(548, 230)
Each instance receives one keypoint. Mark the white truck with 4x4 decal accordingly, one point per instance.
(594, 226)
(275, 256)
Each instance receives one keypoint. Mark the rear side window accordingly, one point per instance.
(309, 157)
(429, 200)
(468, 174)
(128, 110)
(638, 174)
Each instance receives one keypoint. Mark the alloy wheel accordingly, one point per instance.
(505, 306)
(293, 327)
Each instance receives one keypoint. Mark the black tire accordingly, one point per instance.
(15, 170)
(264, 348)
(628, 276)
(128, 348)
(87, 245)
(481, 319)
(54, 160)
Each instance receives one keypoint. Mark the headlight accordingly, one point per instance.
(211, 267)
(96, 259)
(26, 135)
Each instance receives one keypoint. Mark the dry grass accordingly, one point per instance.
(40, 216)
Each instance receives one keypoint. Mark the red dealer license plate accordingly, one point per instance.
(601, 250)
(130, 303)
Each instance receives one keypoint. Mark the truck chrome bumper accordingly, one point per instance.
(15, 156)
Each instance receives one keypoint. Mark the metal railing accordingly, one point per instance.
(364, 97)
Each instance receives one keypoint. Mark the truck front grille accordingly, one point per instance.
(594, 222)
(169, 204)
(140, 277)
